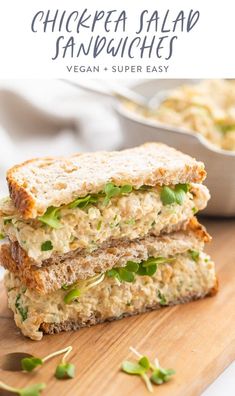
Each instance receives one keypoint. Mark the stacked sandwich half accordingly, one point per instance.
(99, 236)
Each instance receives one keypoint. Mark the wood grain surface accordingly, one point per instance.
(196, 339)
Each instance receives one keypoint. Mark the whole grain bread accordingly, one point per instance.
(81, 265)
(40, 183)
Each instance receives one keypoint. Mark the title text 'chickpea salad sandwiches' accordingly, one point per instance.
(99, 236)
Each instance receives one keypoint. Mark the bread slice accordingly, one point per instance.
(40, 183)
(173, 283)
(82, 265)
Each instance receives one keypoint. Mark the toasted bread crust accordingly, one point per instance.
(39, 183)
(23, 201)
(198, 229)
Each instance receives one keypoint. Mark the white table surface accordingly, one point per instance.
(101, 131)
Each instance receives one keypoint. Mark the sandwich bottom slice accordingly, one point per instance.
(186, 276)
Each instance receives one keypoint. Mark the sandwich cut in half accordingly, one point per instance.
(99, 236)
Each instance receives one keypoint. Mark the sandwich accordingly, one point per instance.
(99, 236)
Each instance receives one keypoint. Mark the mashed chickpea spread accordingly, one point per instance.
(172, 282)
(131, 216)
(207, 108)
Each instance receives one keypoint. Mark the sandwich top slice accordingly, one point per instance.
(39, 184)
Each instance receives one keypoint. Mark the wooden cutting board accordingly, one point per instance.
(196, 339)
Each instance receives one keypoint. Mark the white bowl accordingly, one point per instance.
(220, 164)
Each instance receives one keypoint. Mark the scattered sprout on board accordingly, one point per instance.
(143, 367)
(32, 390)
(63, 370)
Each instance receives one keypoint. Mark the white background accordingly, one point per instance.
(207, 51)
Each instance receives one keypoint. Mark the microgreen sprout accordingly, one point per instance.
(121, 274)
(51, 217)
(158, 376)
(81, 287)
(47, 245)
(23, 311)
(53, 214)
(144, 268)
(65, 286)
(63, 370)
(176, 195)
(30, 363)
(162, 298)
(7, 220)
(194, 255)
(99, 225)
(2, 236)
(110, 191)
(82, 203)
(130, 222)
(224, 128)
(32, 390)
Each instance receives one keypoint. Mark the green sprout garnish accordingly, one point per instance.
(111, 191)
(143, 366)
(72, 295)
(47, 245)
(30, 363)
(82, 203)
(145, 188)
(195, 255)
(81, 287)
(51, 217)
(126, 189)
(7, 220)
(130, 222)
(138, 369)
(170, 196)
(23, 311)
(2, 236)
(194, 210)
(161, 375)
(121, 274)
(129, 272)
(63, 370)
(162, 298)
(167, 196)
(32, 390)
(99, 225)
(224, 128)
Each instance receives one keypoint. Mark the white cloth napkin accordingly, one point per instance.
(48, 117)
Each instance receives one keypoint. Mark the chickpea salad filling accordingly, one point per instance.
(206, 108)
(120, 291)
(116, 212)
